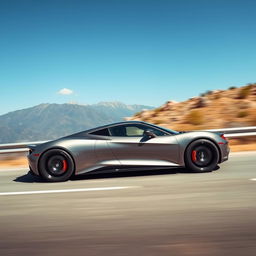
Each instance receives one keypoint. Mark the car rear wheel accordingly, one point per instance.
(201, 156)
(56, 165)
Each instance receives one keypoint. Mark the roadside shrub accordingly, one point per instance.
(232, 88)
(242, 114)
(251, 84)
(208, 92)
(244, 92)
(195, 117)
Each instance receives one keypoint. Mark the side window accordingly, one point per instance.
(127, 131)
(118, 131)
(102, 132)
(133, 130)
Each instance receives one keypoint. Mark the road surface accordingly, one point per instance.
(168, 212)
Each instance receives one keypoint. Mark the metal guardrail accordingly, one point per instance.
(17, 147)
(229, 133)
(20, 145)
(249, 129)
(237, 132)
(237, 135)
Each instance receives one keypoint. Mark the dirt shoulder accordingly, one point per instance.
(8, 161)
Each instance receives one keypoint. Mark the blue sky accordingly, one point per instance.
(134, 51)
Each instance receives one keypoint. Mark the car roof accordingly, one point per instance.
(88, 133)
(115, 124)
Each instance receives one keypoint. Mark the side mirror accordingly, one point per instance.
(149, 134)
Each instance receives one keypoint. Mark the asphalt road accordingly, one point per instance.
(168, 212)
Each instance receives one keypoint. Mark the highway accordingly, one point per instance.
(166, 212)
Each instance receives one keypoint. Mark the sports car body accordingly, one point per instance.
(127, 144)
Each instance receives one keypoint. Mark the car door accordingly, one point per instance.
(103, 152)
(132, 148)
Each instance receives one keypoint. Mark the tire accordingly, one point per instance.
(56, 165)
(202, 156)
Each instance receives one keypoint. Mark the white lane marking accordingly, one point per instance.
(13, 169)
(253, 179)
(60, 191)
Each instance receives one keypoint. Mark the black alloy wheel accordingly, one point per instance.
(202, 156)
(56, 165)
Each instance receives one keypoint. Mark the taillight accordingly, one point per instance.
(223, 137)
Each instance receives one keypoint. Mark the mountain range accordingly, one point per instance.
(51, 121)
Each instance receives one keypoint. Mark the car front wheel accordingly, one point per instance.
(201, 156)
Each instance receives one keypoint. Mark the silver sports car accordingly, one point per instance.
(127, 144)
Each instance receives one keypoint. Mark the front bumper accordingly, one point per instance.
(224, 150)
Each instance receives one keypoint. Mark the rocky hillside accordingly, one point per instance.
(234, 107)
(50, 121)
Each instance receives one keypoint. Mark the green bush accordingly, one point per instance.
(242, 114)
(195, 117)
(208, 92)
(232, 88)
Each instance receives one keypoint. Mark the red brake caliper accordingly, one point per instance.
(194, 155)
(65, 165)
